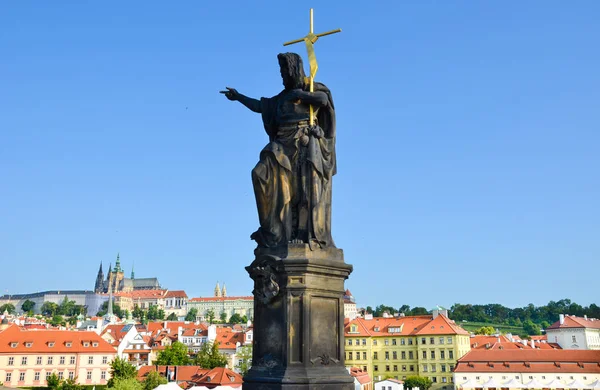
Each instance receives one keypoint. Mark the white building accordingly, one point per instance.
(571, 332)
(528, 369)
(389, 384)
(244, 306)
(350, 310)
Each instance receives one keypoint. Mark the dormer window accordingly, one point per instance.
(28, 344)
(68, 344)
(94, 345)
(86, 344)
(14, 344)
(51, 344)
(376, 329)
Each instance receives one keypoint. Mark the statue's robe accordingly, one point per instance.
(293, 182)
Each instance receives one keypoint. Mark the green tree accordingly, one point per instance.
(544, 324)
(27, 306)
(104, 309)
(8, 307)
(121, 369)
(209, 356)
(66, 307)
(223, 317)
(175, 354)
(70, 384)
(154, 313)
(58, 320)
(153, 380)
(211, 316)
(172, 317)
(191, 314)
(486, 330)
(235, 319)
(421, 382)
(531, 329)
(244, 355)
(137, 312)
(125, 384)
(49, 309)
(53, 381)
(418, 311)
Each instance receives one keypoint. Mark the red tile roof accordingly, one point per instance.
(220, 376)
(576, 322)
(182, 373)
(176, 294)
(441, 325)
(14, 340)
(228, 339)
(533, 360)
(142, 294)
(403, 326)
(361, 376)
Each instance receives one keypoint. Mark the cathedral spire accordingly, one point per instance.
(224, 292)
(118, 264)
(132, 273)
(99, 286)
(217, 290)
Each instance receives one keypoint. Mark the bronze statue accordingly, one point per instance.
(292, 180)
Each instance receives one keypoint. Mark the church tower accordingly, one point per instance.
(99, 286)
(217, 290)
(224, 290)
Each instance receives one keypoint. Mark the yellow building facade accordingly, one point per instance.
(405, 346)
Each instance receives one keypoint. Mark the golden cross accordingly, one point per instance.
(310, 39)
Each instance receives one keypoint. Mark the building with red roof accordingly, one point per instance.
(571, 332)
(28, 357)
(532, 368)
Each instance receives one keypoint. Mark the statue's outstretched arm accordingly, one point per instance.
(317, 98)
(233, 94)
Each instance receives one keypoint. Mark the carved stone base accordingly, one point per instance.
(298, 319)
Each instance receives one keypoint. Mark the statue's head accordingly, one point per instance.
(292, 70)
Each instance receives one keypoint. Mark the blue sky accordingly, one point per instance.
(468, 136)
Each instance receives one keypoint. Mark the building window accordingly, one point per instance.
(71, 374)
(38, 360)
(574, 338)
(395, 367)
(365, 368)
(434, 379)
(424, 367)
(375, 355)
(403, 367)
(374, 342)
(103, 375)
(62, 360)
(8, 377)
(387, 356)
(443, 368)
(349, 341)
(24, 361)
(403, 354)
(386, 342)
(442, 355)
(393, 341)
(444, 379)
(36, 376)
(451, 367)
(424, 354)
(349, 355)
(11, 361)
(364, 356)
(441, 340)
(387, 367)
(21, 377)
(410, 355)
(432, 340)
(61, 375)
(50, 359)
(402, 341)
(395, 355)
(375, 368)
(450, 354)
(357, 342)
(90, 360)
(433, 354)
(433, 368)
(423, 340)
(89, 375)
(410, 341)
(411, 368)
(364, 341)
(449, 340)
(72, 360)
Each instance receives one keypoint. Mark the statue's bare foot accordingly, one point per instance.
(297, 241)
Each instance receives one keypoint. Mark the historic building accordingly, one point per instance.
(398, 347)
(89, 299)
(221, 303)
(571, 332)
(27, 358)
(528, 369)
(350, 310)
(116, 280)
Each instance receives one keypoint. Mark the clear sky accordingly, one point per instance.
(468, 144)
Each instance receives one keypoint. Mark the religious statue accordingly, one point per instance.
(292, 180)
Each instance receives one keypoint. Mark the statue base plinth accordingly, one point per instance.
(298, 319)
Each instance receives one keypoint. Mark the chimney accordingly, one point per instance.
(533, 344)
(368, 316)
(585, 317)
(561, 318)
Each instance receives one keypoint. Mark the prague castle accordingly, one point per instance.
(116, 281)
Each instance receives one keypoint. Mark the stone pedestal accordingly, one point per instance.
(298, 319)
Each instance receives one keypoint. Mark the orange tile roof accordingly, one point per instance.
(182, 373)
(51, 341)
(228, 339)
(116, 331)
(533, 360)
(361, 376)
(503, 342)
(220, 376)
(403, 326)
(142, 294)
(176, 294)
(441, 325)
(221, 299)
(576, 322)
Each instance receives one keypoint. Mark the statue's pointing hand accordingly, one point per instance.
(231, 94)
